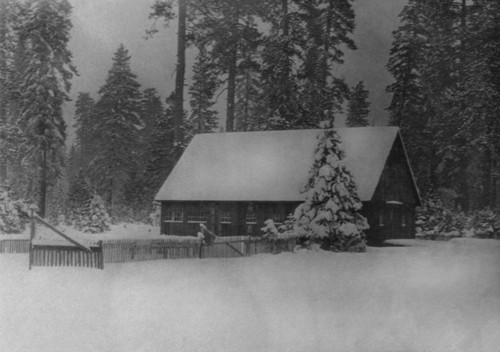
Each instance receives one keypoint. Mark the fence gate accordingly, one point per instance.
(71, 252)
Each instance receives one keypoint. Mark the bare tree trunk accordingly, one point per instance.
(111, 197)
(43, 180)
(326, 48)
(231, 90)
(231, 79)
(3, 90)
(180, 74)
(286, 22)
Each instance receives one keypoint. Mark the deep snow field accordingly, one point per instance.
(427, 297)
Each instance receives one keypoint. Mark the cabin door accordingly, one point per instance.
(395, 214)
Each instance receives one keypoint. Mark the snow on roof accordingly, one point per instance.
(270, 165)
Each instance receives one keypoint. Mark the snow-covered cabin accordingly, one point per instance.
(233, 182)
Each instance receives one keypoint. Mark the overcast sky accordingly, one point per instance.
(100, 26)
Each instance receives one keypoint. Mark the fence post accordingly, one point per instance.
(33, 208)
(247, 246)
(201, 250)
(100, 256)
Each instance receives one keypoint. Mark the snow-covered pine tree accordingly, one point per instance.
(358, 108)
(151, 110)
(279, 83)
(11, 17)
(85, 118)
(116, 130)
(424, 61)
(12, 145)
(203, 118)
(136, 192)
(248, 96)
(57, 198)
(80, 194)
(330, 213)
(473, 136)
(45, 86)
(4, 54)
(95, 218)
(160, 160)
(10, 220)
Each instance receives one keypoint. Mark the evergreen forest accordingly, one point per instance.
(275, 62)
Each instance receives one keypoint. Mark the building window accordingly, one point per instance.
(174, 215)
(198, 216)
(250, 218)
(277, 219)
(225, 217)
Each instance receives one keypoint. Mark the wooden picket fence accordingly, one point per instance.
(50, 255)
(14, 245)
(68, 251)
(129, 250)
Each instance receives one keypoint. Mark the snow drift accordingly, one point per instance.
(432, 297)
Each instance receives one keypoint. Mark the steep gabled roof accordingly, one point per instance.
(271, 165)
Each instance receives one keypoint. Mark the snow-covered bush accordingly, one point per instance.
(10, 220)
(436, 221)
(330, 213)
(279, 237)
(95, 218)
(485, 223)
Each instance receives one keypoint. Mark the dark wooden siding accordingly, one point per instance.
(396, 183)
(230, 218)
(388, 221)
(391, 213)
(224, 218)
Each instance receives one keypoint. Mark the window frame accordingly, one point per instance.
(250, 218)
(198, 216)
(225, 217)
(170, 216)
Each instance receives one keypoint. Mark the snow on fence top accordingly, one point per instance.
(270, 165)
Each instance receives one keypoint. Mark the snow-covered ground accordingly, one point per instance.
(435, 296)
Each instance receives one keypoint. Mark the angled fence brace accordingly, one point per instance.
(206, 232)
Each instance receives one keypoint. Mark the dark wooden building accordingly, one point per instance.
(233, 182)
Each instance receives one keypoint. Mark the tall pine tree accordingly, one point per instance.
(413, 107)
(45, 86)
(85, 118)
(358, 108)
(164, 9)
(151, 109)
(229, 28)
(203, 118)
(116, 130)
(279, 79)
(328, 25)
(160, 160)
(445, 99)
